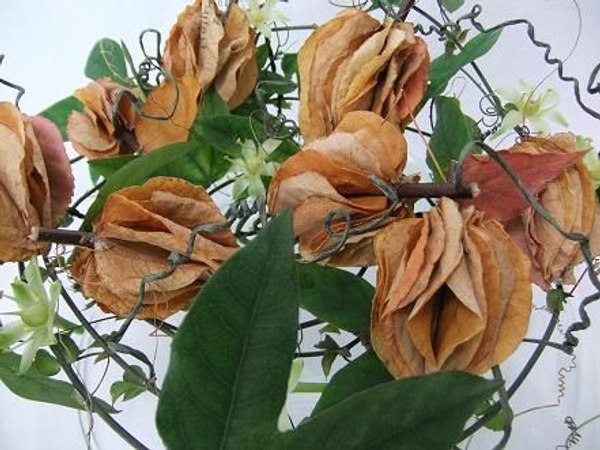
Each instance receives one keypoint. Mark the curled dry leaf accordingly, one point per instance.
(334, 173)
(180, 99)
(453, 293)
(36, 183)
(571, 200)
(136, 233)
(217, 48)
(354, 62)
(94, 132)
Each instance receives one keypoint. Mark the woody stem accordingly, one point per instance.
(429, 190)
(61, 236)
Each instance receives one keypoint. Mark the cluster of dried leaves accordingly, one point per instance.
(206, 47)
(453, 284)
(36, 183)
(140, 227)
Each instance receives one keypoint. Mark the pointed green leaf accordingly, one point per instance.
(125, 390)
(444, 67)
(289, 64)
(425, 413)
(231, 358)
(336, 296)
(452, 131)
(36, 386)
(59, 113)
(107, 60)
(363, 373)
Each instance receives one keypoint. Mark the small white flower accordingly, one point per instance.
(251, 166)
(537, 110)
(37, 309)
(262, 16)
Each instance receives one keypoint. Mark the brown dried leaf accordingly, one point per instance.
(152, 133)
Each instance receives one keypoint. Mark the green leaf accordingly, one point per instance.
(497, 422)
(230, 360)
(451, 133)
(59, 113)
(262, 55)
(444, 67)
(68, 348)
(223, 131)
(107, 166)
(452, 5)
(289, 64)
(336, 296)
(425, 413)
(363, 373)
(45, 363)
(126, 390)
(271, 83)
(172, 160)
(213, 104)
(34, 385)
(286, 149)
(107, 60)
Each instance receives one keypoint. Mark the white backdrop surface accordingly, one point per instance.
(46, 44)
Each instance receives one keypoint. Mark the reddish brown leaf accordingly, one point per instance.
(498, 197)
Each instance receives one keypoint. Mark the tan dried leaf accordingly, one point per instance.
(153, 133)
(334, 173)
(138, 230)
(452, 293)
(354, 63)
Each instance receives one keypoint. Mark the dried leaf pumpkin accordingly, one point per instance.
(136, 233)
(94, 132)
(453, 293)
(354, 62)
(333, 173)
(217, 48)
(36, 182)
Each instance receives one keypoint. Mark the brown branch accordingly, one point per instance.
(428, 190)
(60, 236)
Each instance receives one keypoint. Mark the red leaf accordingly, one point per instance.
(498, 197)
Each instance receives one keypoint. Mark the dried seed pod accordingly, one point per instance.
(334, 173)
(354, 62)
(453, 293)
(138, 230)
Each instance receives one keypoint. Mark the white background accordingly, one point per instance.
(46, 44)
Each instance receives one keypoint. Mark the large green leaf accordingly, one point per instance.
(107, 60)
(173, 160)
(424, 413)
(453, 130)
(336, 296)
(231, 358)
(444, 67)
(213, 104)
(363, 373)
(107, 166)
(59, 113)
(34, 385)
